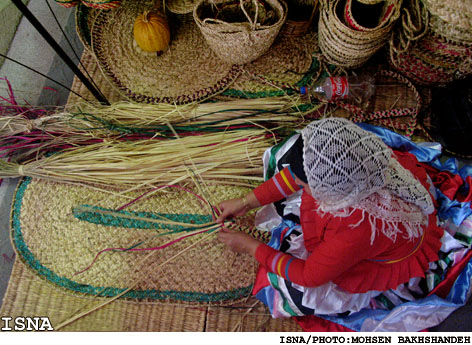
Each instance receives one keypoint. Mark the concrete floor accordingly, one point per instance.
(31, 49)
(28, 47)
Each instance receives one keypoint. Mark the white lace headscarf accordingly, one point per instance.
(349, 168)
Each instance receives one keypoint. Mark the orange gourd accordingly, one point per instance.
(151, 32)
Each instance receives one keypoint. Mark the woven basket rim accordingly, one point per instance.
(280, 21)
(240, 43)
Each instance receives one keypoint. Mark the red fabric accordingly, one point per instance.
(261, 280)
(312, 323)
(344, 255)
(451, 185)
(277, 188)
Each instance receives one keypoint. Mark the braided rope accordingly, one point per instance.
(385, 116)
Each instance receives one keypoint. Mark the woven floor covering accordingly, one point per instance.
(207, 289)
(28, 294)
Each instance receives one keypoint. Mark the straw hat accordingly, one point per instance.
(79, 222)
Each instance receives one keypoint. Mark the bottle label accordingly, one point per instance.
(339, 87)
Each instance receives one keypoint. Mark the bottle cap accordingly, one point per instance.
(303, 90)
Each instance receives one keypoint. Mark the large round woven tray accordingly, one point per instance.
(187, 71)
(84, 18)
(58, 230)
(291, 62)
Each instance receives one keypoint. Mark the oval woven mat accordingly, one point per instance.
(59, 229)
(187, 71)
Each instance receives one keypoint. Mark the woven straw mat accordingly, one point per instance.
(67, 216)
(290, 63)
(187, 71)
(29, 294)
(90, 67)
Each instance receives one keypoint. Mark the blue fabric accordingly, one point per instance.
(275, 240)
(427, 152)
(454, 210)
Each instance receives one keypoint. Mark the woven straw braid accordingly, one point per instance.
(385, 117)
(68, 3)
(389, 10)
(28, 294)
(347, 47)
(84, 19)
(239, 43)
(102, 5)
(180, 6)
(207, 273)
(295, 28)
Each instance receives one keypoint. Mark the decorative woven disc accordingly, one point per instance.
(59, 229)
(187, 71)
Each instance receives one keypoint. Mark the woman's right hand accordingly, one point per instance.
(232, 208)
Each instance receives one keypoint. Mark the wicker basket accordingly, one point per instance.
(433, 61)
(299, 27)
(240, 42)
(348, 47)
(417, 51)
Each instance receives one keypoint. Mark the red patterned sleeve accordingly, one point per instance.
(277, 188)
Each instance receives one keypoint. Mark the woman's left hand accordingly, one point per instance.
(238, 241)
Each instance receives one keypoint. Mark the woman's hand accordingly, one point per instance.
(237, 207)
(232, 208)
(238, 241)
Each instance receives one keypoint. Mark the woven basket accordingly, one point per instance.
(102, 4)
(299, 27)
(345, 46)
(424, 56)
(433, 60)
(239, 43)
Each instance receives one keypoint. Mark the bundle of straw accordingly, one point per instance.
(89, 123)
(226, 157)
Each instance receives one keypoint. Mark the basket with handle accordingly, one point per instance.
(240, 42)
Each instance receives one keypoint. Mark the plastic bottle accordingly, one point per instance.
(359, 88)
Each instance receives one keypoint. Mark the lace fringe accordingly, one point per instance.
(388, 228)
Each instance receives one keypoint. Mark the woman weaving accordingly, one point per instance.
(366, 222)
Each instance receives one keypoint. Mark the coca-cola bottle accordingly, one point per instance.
(358, 88)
